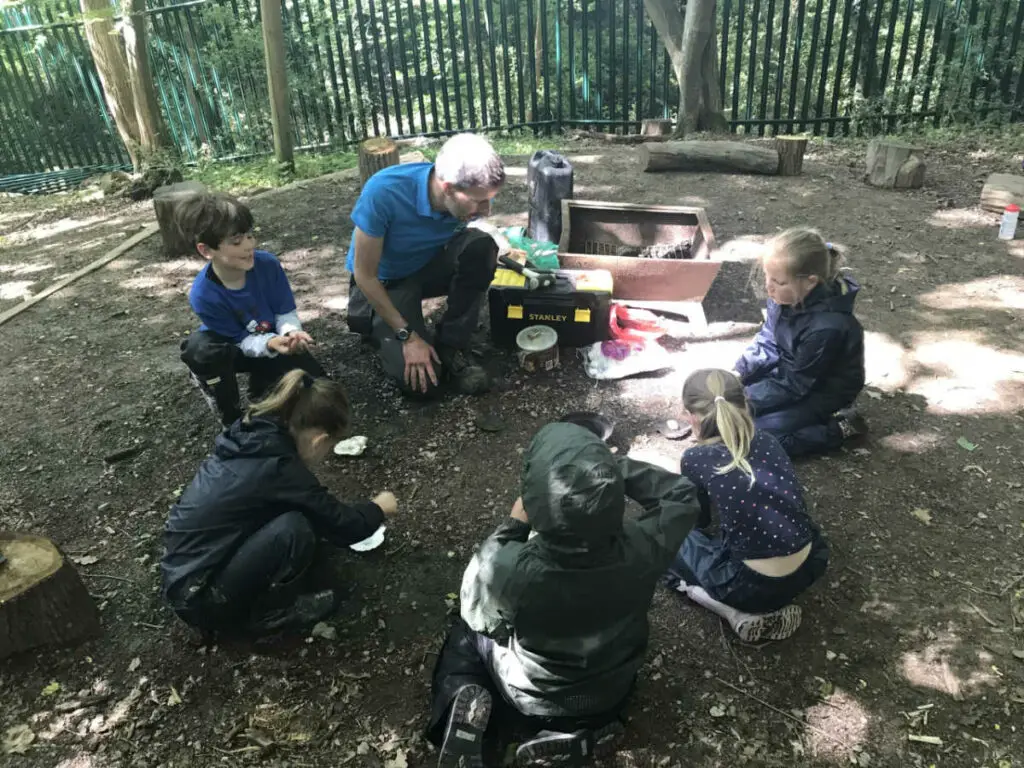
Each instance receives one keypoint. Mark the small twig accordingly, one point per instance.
(1017, 580)
(778, 711)
(107, 576)
(148, 625)
(984, 592)
(981, 613)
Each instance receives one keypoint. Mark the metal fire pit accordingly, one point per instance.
(595, 233)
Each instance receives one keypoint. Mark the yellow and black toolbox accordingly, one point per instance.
(576, 306)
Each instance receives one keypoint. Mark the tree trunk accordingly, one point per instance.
(692, 48)
(375, 154)
(791, 154)
(277, 83)
(716, 156)
(42, 599)
(894, 165)
(152, 131)
(108, 55)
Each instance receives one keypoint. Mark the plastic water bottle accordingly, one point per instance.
(1008, 226)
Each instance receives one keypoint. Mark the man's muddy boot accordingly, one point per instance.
(303, 613)
(463, 374)
(463, 738)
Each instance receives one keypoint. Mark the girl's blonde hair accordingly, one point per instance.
(806, 253)
(717, 398)
(303, 402)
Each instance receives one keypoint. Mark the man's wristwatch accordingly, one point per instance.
(403, 334)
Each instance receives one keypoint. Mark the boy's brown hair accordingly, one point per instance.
(210, 219)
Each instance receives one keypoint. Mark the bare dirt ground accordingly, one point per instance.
(916, 631)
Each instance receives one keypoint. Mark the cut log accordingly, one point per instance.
(717, 156)
(656, 127)
(166, 201)
(375, 154)
(42, 599)
(894, 165)
(791, 154)
(1001, 190)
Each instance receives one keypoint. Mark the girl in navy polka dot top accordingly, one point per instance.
(768, 550)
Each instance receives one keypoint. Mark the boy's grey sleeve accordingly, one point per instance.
(485, 596)
(670, 503)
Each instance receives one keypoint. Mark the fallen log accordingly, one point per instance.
(715, 156)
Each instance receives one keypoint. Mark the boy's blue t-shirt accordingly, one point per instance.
(395, 205)
(760, 520)
(252, 309)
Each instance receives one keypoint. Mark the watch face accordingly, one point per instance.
(402, 335)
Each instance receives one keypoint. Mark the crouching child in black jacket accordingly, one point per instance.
(554, 626)
(241, 538)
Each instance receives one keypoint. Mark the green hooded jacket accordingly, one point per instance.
(574, 597)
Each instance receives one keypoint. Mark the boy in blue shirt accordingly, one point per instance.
(411, 243)
(242, 296)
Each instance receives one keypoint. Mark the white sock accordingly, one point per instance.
(702, 598)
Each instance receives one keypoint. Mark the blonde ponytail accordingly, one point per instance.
(717, 398)
(303, 402)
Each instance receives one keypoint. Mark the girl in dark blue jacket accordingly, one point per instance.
(240, 540)
(805, 367)
(768, 550)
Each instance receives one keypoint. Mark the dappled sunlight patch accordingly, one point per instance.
(61, 226)
(931, 667)
(587, 159)
(968, 376)
(997, 292)
(888, 366)
(143, 283)
(912, 442)
(16, 289)
(1016, 248)
(25, 269)
(516, 171)
(336, 304)
(961, 218)
(837, 727)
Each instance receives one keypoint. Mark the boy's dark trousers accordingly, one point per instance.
(265, 573)
(215, 360)
(465, 660)
(462, 271)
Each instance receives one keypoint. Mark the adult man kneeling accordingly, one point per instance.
(410, 243)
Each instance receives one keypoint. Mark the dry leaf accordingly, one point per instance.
(51, 689)
(935, 740)
(1018, 653)
(174, 699)
(717, 711)
(135, 664)
(84, 559)
(17, 740)
(922, 514)
(398, 761)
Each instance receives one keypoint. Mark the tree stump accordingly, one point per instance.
(375, 154)
(1001, 190)
(42, 599)
(894, 165)
(720, 156)
(791, 154)
(166, 201)
(656, 128)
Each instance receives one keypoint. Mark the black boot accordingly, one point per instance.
(464, 374)
(306, 610)
(851, 423)
(464, 737)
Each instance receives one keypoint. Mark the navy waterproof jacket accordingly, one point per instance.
(808, 356)
(254, 475)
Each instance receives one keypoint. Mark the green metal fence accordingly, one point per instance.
(431, 67)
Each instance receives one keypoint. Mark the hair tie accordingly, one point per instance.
(719, 397)
(307, 380)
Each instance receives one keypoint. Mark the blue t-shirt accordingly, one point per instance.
(766, 519)
(249, 310)
(395, 205)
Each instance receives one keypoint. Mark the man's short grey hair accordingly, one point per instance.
(467, 160)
